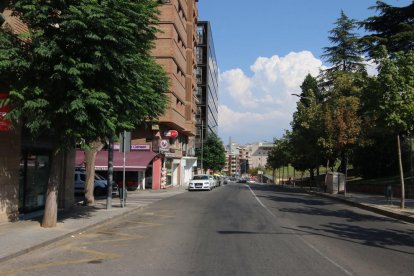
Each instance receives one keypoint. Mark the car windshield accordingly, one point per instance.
(200, 177)
(99, 177)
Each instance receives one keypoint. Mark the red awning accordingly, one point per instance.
(134, 160)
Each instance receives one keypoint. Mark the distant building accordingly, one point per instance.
(244, 160)
(257, 154)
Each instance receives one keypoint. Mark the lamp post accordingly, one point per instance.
(202, 145)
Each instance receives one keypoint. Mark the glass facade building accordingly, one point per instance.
(207, 84)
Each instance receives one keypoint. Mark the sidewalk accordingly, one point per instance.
(25, 235)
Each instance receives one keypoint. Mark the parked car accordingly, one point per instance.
(217, 181)
(202, 182)
(251, 181)
(242, 180)
(100, 186)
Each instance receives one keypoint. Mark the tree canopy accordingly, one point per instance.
(345, 53)
(392, 28)
(81, 73)
(214, 154)
(84, 69)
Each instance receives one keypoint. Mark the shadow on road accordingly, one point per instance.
(374, 237)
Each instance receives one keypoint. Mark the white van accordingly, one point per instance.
(100, 187)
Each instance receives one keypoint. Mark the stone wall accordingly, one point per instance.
(10, 143)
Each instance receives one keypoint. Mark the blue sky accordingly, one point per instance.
(264, 50)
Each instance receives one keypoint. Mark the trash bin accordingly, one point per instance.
(335, 183)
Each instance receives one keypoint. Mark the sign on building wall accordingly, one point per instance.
(5, 125)
(141, 147)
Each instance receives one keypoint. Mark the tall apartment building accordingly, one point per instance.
(207, 85)
(232, 166)
(244, 160)
(175, 50)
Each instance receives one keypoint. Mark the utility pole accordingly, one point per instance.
(202, 144)
(110, 171)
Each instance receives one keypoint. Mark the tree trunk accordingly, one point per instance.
(90, 156)
(346, 174)
(273, 176)
(402, 204)
(51, 206)
(311, 179)
(326, 175)
(317, 177)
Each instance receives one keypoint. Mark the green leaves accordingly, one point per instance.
(396, 92)
(86, 71)
(214, 157)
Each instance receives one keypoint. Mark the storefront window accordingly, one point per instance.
(34, 175)
(168, 165)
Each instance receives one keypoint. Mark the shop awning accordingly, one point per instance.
(134, 160)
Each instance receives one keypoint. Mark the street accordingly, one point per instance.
(236, 229)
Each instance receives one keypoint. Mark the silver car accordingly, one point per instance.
(201, 182)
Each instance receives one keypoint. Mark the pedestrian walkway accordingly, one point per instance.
(25, 235)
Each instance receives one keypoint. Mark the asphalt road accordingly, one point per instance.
(233, 230)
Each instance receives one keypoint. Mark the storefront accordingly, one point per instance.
(188, 164)
(139, 167)
(34, 175)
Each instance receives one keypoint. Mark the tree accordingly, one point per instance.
(392, 28)
(342, 121)
(280, 154)
(345, 54)
(90, 155)
(342, 84)
(214, 154)
(273, 161)
(83, 72)
(396, 100)
(307, 128)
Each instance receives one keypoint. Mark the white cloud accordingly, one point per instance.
(260, 106)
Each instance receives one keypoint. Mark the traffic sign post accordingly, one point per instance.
(125, 138)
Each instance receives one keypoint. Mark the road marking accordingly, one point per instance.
(303, 240)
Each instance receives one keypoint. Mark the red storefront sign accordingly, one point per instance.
(171, 134)
(5, 125)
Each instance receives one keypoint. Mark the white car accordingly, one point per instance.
(201, 182)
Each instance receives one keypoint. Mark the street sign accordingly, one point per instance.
(164, 144)
(259, 172)
(125, 139)
(5, 125)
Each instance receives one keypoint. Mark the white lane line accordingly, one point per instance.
(304, 241)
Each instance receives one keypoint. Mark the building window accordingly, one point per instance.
(199, 75)
(200, 35)
(199, 55)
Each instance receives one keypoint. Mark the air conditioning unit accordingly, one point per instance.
(165, 1)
